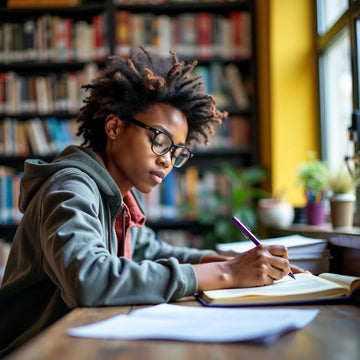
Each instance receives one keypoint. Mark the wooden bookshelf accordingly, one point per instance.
(57, 60)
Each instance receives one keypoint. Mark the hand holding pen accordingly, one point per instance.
(246, 231)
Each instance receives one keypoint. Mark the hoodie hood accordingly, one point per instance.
(36, 172)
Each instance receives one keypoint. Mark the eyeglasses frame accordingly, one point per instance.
(156, 132)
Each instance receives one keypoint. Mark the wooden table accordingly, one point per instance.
(333, 335)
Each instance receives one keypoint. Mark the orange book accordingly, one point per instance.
(21, 144)
(122, 23)
(192, 179)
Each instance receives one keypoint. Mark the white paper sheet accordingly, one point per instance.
(176, 322)
(299, 247)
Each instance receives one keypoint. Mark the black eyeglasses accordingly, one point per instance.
(162, 143)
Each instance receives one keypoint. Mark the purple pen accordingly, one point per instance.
(246, 231)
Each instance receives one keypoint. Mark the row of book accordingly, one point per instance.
(66, 3)
(41, 137)
(9, 196)
(44, 94)
(179, 197)
(180, 237)
(62, 92)
(42, 3)
(51, 38)
(226, 84)
(232, 133)
(49, 136)
(182, 195)
(203, 35)
(145, 2)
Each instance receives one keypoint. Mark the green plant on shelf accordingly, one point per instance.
(313, 174)
(238, 200)
(343, 181)
(313, 178)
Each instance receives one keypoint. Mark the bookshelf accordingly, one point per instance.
(40, 80)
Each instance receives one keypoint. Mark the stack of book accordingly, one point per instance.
(308, 253)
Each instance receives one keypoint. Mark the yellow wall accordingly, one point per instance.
(288, 116)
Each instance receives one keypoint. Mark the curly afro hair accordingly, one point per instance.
(130, 85)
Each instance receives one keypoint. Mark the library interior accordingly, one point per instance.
(285, 160)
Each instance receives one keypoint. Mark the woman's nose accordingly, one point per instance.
(165, 159)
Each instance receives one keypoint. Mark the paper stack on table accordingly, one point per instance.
(308, 253)
(177, 322)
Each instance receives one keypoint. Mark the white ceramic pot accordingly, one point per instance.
(274, 213)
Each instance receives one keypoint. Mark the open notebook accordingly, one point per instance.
(306, 288)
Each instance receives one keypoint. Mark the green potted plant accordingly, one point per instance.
(313, 177)
(238, 200)
(341, 185)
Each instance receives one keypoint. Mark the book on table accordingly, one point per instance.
(306, 288)
(310, 254)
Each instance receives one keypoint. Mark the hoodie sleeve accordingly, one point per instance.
(77, 259)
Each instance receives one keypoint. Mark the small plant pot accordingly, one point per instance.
(315, 213)
(342, 210)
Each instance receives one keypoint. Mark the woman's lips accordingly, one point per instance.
(157, 176)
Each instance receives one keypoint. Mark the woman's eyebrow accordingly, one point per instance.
(160, 127)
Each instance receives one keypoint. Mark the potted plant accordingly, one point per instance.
(238, 199)
(342, 185)
(313, 177)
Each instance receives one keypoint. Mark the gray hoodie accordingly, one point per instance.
(64, 251)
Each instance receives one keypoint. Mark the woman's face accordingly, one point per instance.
(128, 154)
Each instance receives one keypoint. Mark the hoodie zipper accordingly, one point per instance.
(122, 252)
(109, 226)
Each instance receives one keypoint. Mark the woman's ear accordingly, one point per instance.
(112, 124)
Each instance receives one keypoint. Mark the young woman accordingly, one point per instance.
(83, 240)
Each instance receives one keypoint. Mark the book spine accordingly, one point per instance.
(188, 37)
(68, 40)
(21, 144)
(137, 29)
(148, 31)
(122, 23)
(7, 41)
(164, 33)
(99, 46)
(192, 179)
(236, 86)
(169, 196)
(30, 41)
(2, 93)
(240, 34)
(204, 29)
(2, 140)
(6, 199)
(52, 125)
